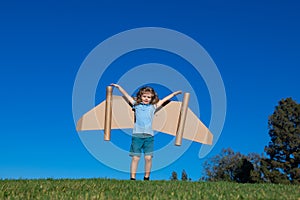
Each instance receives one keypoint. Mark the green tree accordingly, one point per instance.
(243, 172)
(256, 174)
(184, 176)
(231, 166)
(282, 164)
(221, 166)
(174, 176)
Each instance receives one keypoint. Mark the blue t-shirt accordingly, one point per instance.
(144, 114)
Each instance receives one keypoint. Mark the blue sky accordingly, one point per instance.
(255, 45)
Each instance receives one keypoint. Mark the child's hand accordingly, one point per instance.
(177, 92)
(115, 85)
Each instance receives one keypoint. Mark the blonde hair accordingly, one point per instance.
(143, 90)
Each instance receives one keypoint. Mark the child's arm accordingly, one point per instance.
(127, 96)
(161, 102)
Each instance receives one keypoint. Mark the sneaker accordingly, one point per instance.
(146, 178)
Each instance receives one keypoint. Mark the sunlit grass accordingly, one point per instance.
(121, 189)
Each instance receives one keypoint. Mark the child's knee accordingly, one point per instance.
(148, 158)
(135, 158)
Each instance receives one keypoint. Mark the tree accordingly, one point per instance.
(243, 172)
(184, 176)
(174, 176)
(221, 167)
(231, 166)
(283, 162)
(256, 174)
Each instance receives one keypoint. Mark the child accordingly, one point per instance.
(145, 104)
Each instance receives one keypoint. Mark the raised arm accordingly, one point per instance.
(161, 102)
(127, 96)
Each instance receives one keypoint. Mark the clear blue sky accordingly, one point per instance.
(255, 45)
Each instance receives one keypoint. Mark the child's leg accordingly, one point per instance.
(148, 150)
(133, 166)
(148, 165)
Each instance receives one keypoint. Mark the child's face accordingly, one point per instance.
(146, 97)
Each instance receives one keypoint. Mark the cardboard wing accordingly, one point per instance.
(122, 116)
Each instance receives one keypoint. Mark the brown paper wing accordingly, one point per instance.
(166, 121)
(122, 116)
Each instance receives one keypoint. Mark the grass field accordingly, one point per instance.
(123, 189)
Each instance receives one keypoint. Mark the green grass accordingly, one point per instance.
(121, 189)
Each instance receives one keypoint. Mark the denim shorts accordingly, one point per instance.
(142, 143)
